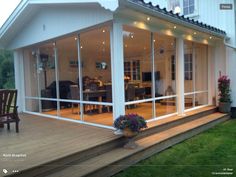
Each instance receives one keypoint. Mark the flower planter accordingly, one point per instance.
(224, 107)
(129, 134)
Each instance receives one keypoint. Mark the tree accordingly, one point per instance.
(7, 80)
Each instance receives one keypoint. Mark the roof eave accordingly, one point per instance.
(174, 20)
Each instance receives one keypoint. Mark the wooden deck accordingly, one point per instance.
(42, 139)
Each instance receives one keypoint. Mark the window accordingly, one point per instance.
(174, 5)
(136, 70)
(132, 70)
(188, 67)
(188, 7)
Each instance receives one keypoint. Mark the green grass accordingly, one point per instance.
(211, 151)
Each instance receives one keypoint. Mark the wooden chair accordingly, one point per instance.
(74, 91)
(8, 108)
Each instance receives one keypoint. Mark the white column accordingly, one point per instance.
(19, 79)
(210, 63)
(153, 75)
(180, 75)
(117, 68)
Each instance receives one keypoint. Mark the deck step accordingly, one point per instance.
(113, 161)
(170, 122)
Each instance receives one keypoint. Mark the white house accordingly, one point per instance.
(89, 61)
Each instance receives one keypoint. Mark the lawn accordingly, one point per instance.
(212, 153)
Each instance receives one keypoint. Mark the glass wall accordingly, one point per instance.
(138, 71)
(68, 77)
(195, 74)
(71, 77)
(64, 82)
(39, 63)
(96, 75)
(165, 74)
(149, 73)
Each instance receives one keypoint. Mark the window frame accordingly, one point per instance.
(181, 2)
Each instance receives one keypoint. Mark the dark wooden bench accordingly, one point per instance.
(8, 108)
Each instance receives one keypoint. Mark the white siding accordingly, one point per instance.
(56, 21)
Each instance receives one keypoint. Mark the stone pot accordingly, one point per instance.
(224, 107)
(129, 134)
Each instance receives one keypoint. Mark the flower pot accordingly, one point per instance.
(130, 135)
(224, 107)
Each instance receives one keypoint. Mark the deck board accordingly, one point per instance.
(44, 139)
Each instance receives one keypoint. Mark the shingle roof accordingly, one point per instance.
(177, 16)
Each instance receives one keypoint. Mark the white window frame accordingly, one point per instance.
(195, 11)
(181, 2)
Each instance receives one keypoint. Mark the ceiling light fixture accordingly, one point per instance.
(81, 46)
(195, 33)
(76, 38)
(148, 18)
(175, 27)
(103, 31)
(210, 37)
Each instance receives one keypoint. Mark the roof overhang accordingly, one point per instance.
(156, 11)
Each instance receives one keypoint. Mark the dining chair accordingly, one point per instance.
(74, 91)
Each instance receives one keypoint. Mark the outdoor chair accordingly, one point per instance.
(8, 108)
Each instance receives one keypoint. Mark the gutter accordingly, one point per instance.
(227, 44)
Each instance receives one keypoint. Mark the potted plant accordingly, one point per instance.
(224, 94)
(130, 125)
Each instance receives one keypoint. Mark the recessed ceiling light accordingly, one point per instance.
(210, 37)
(81, 46)
(175, 27)
(76, 38)
(154, 40)
(148, 18)
(195, 33)
(103, 42)
(103, 31)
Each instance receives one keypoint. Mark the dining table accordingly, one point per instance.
(98, 94)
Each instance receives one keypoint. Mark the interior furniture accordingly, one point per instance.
(95, 94)
(8, 108)
(46, 105)
(130, 94)
(74, 92)
(64, 89)
(108, 97)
